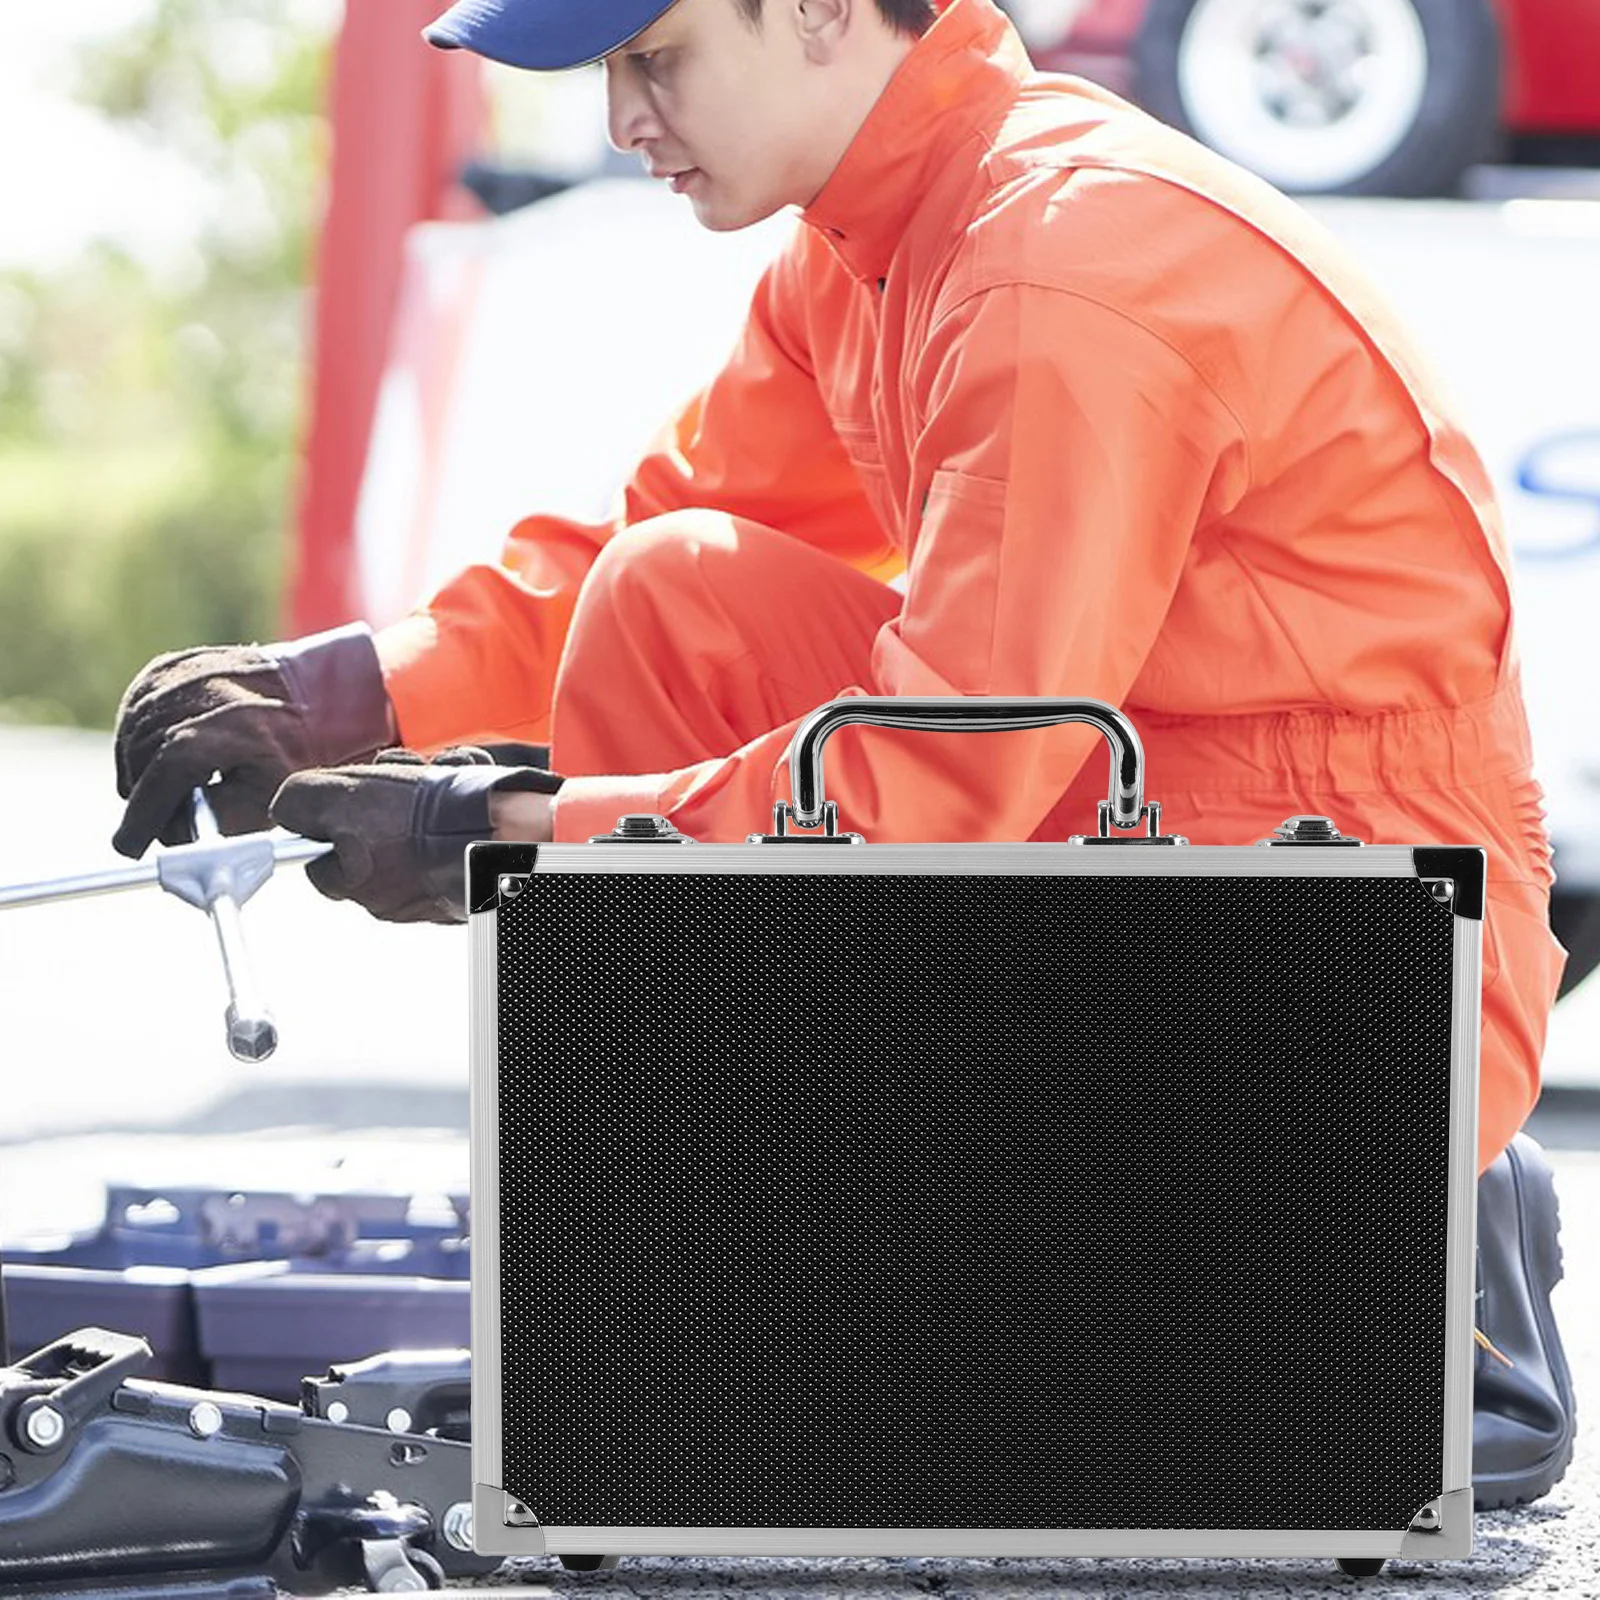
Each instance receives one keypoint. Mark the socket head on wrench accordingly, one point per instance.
(251, 1038)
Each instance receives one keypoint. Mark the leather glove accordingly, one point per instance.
(400, 827)
(254, 713)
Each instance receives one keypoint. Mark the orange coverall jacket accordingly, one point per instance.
(1135, 429)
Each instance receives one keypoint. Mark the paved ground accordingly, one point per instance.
(115, 1069)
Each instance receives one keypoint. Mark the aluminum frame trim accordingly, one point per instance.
(1110, 1542)
(1008, 860)
(484, 1165)
(1462, 1223)
(1453, 1539)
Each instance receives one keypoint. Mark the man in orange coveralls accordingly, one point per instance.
(1131, 425)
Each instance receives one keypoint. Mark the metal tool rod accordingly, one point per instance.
(288, 849)
(206, 827)
(252, 1034)
(216, 874)
(112, 880)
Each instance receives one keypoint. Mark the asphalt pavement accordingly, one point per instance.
(113, 1067)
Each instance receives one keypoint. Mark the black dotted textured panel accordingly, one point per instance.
(973, 1201)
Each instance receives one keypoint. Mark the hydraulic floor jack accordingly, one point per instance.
(113, 1487)
(117, 1487)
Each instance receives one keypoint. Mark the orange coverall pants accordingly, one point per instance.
(696, 632)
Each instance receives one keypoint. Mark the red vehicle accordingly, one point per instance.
(1392, 97)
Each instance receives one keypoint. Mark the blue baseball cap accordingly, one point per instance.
(543, 35)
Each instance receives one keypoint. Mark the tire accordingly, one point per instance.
(1377, 97)
(1575, 921)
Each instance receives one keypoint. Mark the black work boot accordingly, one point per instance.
(1523, 1420)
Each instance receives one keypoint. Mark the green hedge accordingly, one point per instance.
(107, 560)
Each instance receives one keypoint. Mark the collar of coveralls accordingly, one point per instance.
(957, 77)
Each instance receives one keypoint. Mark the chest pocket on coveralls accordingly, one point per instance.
(860, 441)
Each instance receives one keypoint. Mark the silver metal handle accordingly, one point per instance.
(1124, 808)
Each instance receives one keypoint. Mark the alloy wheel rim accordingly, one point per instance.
(1311, 94)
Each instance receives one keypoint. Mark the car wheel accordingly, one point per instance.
(1394, 97)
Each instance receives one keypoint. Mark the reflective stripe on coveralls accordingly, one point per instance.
(1136, 429)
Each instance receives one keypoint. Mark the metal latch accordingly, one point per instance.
(643, 827)
(1307, 830)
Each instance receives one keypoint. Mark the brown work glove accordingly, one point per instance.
(400, 827)
(254, 713)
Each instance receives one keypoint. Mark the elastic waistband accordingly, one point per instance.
(1349, 752)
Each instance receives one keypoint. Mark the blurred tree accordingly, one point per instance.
(149, 412)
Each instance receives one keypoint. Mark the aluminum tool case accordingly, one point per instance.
(1107, 1197)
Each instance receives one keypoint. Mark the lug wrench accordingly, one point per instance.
(217, 874)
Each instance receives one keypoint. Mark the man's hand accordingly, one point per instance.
(400, 827)
(253, 713)
(521, 817)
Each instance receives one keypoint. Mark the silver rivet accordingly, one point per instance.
(338, 1412)
(457, 1526)
(510, 887)
(398, 1420)
(205, 1420)
(46, 1428)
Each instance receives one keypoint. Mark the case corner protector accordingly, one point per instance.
(488, 861)
(492, 1535)
(1452, 1540)
(1466, 864)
